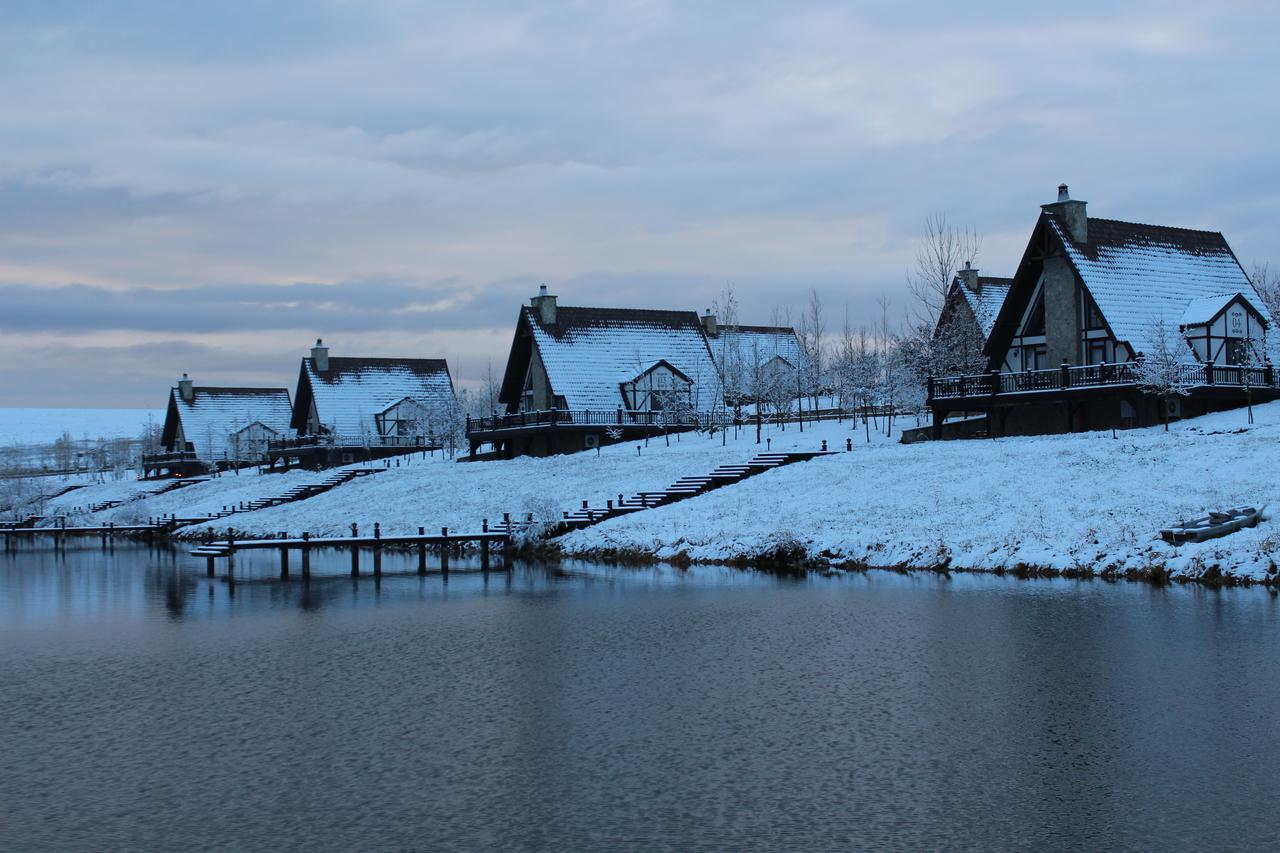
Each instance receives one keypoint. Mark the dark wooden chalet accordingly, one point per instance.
(1082, 311)
(968, 316)
(355, 409)
(746, 355)
(207, 428)
(581, 377)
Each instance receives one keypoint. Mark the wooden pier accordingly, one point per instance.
(443, 542)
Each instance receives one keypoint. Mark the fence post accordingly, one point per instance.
(995, 382)
(1268, 374)
(1208, 373)
(929, 383)
(619, 414)
(306, 556)
(1064, 375)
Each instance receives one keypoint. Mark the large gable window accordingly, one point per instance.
(660, 388)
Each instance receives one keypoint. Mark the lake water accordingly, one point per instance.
(579, 706)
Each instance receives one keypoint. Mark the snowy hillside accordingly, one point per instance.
(1086, 501)
(41, 426)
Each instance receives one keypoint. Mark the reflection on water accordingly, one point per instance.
(585, 706)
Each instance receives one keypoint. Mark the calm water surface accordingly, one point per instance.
(143, 706)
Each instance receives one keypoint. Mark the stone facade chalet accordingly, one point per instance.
(748, 354)
(969, 312)
(1088, 297)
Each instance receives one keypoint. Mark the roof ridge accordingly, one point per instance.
(1093, 219)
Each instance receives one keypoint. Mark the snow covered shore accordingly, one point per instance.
(1086, 503)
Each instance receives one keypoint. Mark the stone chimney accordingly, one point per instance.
(185, 389)
(1071, 214)
(709, 324)
(545, 303)
(320, 357)
(969, 276)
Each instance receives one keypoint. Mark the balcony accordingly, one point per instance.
(983, 389)
(555, 418)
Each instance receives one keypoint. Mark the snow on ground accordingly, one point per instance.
(1052, 502)
(433, 493)
(41, 426)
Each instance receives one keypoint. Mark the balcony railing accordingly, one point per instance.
(588, 417)
(315, 442)
(1090, 376)
(178, 456)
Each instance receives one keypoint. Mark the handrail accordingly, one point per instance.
(589, 417)
(1091, 376)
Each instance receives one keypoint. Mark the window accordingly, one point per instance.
(1035, 320)
(1092, 316)
(1095, 352)
(1237, 352)
(1033, 358)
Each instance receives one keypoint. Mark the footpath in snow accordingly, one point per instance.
(1086, 502)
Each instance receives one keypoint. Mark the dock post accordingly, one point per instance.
(444, 550)
(231, 555)
(284, 559)
(377, 550)
(484, 545)
(422, 551)
(208, 567)
(306, 556)
(103, 531)
(355, 550)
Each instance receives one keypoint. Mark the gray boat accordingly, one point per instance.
(1212, 526)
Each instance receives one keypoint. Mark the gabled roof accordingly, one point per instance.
(662, 362)
(214, 414)
(767, 341)
(589, 352)
(986, 304)
(353, 390)
(1136, 274)
(1139, 273)
(1202, 311)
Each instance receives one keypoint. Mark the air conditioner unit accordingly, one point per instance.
(591, 441)
(1173, 407)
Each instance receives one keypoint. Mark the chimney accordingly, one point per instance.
(709, 324)
(185, 389)
(969, 276)
(546, 305)
(1071, 214)
(320, 357)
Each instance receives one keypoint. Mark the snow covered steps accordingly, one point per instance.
(685, 487)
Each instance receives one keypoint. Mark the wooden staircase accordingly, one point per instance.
(171, 486)
(682, 489)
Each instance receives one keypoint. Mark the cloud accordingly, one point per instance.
(386, 169)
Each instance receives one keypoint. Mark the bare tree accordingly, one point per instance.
(943, 249)
(1267, 283)
(1163, 371)
(812, 329)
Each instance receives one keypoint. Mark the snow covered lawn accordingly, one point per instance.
(433, 493)
(1055, 502)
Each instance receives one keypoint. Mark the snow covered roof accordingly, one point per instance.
(214, 414)
(1201, 311)
(589, 352)
(352, 391)
(985, 304)
(767, 341)
(1140, 273)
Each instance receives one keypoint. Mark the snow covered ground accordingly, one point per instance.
(41, 426)
(1073, 502)
(1076, 502)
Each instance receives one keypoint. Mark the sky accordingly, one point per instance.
(208, 187)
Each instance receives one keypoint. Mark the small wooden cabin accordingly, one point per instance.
(207, 428)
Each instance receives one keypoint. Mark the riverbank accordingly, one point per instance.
(1088, 504)
(1085, 505)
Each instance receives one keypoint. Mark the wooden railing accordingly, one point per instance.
(1070, 377)
(311, 442)
(588, 417)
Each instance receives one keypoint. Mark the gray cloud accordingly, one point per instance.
(178, 168)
